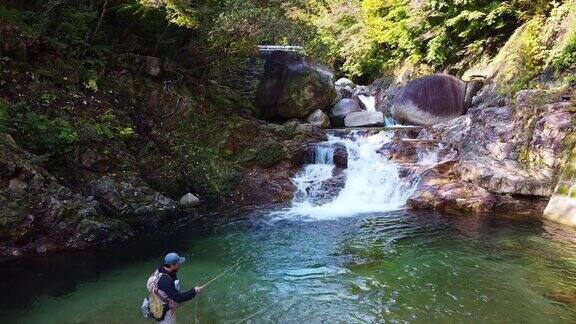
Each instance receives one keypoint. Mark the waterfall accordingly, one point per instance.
(372, 182)
(369, 102)
(324, 154)
(310, 179)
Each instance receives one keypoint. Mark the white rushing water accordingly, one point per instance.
(368, 101)
(372, 182)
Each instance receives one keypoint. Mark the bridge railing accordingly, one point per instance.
(285, 48)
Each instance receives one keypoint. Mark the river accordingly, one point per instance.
(354, 259)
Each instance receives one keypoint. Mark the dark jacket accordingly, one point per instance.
(166, 284)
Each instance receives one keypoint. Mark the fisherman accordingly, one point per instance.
(164, 291)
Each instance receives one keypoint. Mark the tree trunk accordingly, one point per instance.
(95, 31)
(160, 39)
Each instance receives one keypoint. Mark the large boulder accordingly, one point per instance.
(430, 100)
(342, 109)
(364, 119)
(293, 87)
(319, 119)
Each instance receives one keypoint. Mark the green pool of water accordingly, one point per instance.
(394, 267)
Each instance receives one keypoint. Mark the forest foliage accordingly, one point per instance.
(371, 36)
(360, 38)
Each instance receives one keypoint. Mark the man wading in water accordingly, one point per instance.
(163, 288)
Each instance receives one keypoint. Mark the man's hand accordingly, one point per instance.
(199, 289)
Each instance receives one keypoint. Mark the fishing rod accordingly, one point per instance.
(240, 261)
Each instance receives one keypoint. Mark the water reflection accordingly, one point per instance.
(399, 266)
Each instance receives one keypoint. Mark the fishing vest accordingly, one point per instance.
(152, 286)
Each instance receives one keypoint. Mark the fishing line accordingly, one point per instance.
(258, 312)
(238, 263)
(196, 311)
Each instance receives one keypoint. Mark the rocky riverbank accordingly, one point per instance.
(88, 161)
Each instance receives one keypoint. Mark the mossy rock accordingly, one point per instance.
(12, 212)
(263, 155)
(102, 231)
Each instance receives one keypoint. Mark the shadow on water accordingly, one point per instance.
(58, 275)
(394, 266)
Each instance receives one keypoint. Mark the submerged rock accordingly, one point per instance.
(319, 119)
(342, 109)
(364, 119)
(293, 87)
(189, 201)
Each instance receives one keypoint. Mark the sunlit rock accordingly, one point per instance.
(344, 82)
(364, 119)
(562, 205)
(431, 100)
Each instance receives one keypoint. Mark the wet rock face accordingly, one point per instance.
(341, 157)
(293, 87)
(306, 154)
(430, 100)
(265, 187)
(342, 109)
(332, 187)
(38, 215)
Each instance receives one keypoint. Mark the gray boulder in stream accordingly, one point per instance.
(342, 109)
(343, 82)
(293, 87)
(319, 119)
(364, 119)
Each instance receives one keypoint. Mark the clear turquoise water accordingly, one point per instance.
(396, 267)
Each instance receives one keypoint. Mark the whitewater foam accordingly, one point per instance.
(373, 182)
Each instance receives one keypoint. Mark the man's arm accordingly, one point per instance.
(167, 286)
